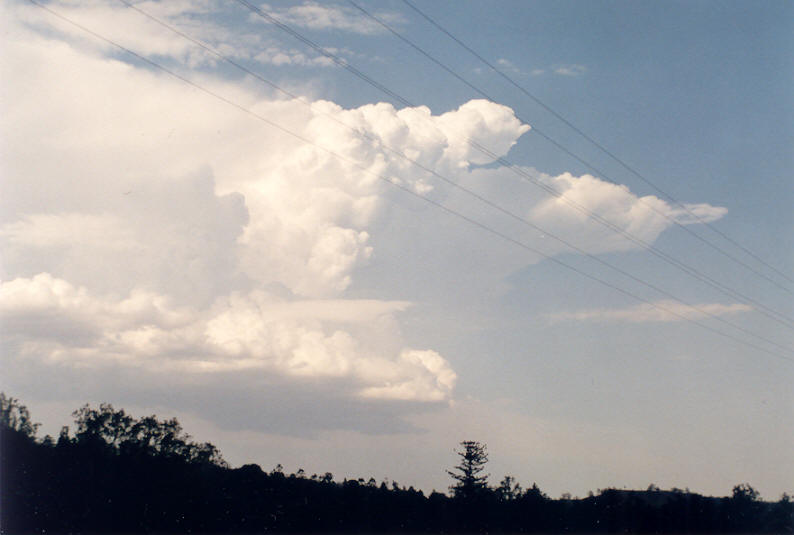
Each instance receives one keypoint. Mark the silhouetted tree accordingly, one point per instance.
(470, 492)
(508, 489)
(117, 474)
(744, 508)
(781, 516)
(468, 474)
(745, 493)
(115, 430)
(15, 416)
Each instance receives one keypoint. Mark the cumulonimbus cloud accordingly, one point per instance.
(156, 237)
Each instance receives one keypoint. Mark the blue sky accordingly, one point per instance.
(167, 252)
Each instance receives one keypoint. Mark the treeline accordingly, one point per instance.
(117, 474)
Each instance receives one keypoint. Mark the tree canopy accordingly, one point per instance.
(471, 482)
(120, 474)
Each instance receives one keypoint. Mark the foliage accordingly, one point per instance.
(118, 474)
(745, 493)
(468, 473)
(14, 415)
(509, 489)
(147, 436)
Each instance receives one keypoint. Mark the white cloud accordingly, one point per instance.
(303, 213)
(569, 70)
(47, 308)
(280, 56)
(508, 66)
(175, 236)
(316, 207)
(152, 228)
(691, 214)
(57, 231)
(482, 122)
(152, 204)
(434, 381)
(316, 16)
(641, 217)
(660, 311)
(135, 31)
(257, 333)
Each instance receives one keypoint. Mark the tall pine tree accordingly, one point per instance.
(471, 483)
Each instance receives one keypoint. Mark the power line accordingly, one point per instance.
(397, 185)
(563, 148)
(445, 179)
(760, 307)
(603, 149)
(772, 314)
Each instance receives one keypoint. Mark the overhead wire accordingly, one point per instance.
(403, 188)
(561, 147)
(445, 179)
(725, 290)
(606, 151)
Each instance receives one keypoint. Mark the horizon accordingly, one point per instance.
(344, 282)
(49, 438)
(39, 435)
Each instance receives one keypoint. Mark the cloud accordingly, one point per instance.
(133, 30)
(172, 235)
(201, 217)
(51, 320)
(661, 311)
(521, 191)
(690, 214)
(152, 230)
(316, 207)
(45, 308)
(56, 231)
(644, 218)
(569, 70)
(434, 383)
(332, 17)
(560, 70)
(280, 56)
(484, 123)
(508, 66)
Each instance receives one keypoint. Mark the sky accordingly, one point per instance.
(346, 244)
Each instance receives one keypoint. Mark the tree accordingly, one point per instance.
(468, 474)
(120, 433)
(745, 508)
(14, 415)
(745, 493)
(781, 515)
(106, 424)
(509, 489)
